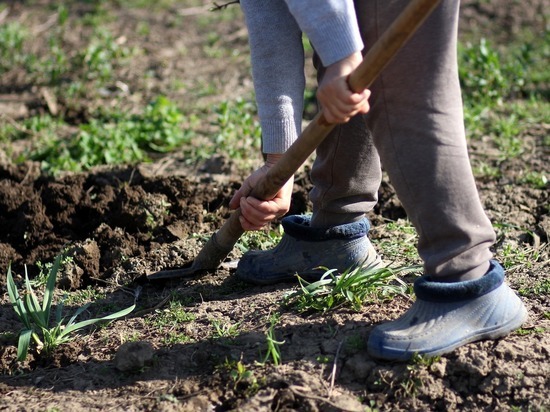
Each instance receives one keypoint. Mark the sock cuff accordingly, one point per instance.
(298, 226)
(426, 289)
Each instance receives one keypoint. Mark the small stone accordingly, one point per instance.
(133, 356)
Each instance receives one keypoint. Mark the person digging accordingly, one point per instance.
(411, 122)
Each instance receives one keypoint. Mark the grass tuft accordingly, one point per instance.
(353, 288)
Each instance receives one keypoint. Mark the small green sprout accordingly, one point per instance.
(273, 351)
(224, 330)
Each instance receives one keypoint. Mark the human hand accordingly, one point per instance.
(256, 213)
(339, 104)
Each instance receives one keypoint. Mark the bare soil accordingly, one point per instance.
(115, 225)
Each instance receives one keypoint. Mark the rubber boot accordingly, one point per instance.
(309, 251)
(448, 315)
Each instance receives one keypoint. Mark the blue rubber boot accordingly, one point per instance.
(306, 251)
(448, 315)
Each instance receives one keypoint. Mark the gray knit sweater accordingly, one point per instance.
(275, 33)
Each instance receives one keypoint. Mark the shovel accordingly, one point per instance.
(222, 242)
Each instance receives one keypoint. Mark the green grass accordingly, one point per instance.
(83, 296)
(172, 316)
(59, 65)
(260, 239)
(505, 92)
(73, 75)
(233, 131)
(12, 39)
(353, 288)
(507, 128)
(530, 331)
(111, 138)
(485, 77)
(399, 242)
(537, 180)
(491, 74)
(168, 323)
(99, 59)
(503, 89)
(538, 288)
(157, 5)
(175, 337)
(515, 254)
(224, 330)
(239, 130)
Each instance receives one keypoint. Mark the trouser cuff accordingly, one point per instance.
(298, 226)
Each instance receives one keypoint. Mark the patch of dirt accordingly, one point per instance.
(118, 224)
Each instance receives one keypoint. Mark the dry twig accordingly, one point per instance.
(223, 6)
(334, 366)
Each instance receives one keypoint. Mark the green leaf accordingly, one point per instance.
(50, 286)
(33, 305)
(88, 322)
(78, 312)
(23, 345)
(15, 299)
(33, 308)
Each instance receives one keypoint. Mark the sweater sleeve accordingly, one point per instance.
(277, 57)
(331, 25)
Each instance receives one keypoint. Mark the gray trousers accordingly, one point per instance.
(415, 129)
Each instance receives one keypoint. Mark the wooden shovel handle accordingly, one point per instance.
(361, 78)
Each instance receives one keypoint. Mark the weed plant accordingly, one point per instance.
(260, 239)
(273, 351)
(537, 180)
(399, 243)
(243, 377)
(12, 39)
(490, 77)
(483, 76)
(172, 316)
(115, 138)
(104, 52)
(513, 254)
(36, 316)
(417, 369)
(224, 330)
(354, 287)
(44, 269)
(240, 134)
(168, 323)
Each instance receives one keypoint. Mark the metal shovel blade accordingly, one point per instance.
(208, 259)
(190, 270)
